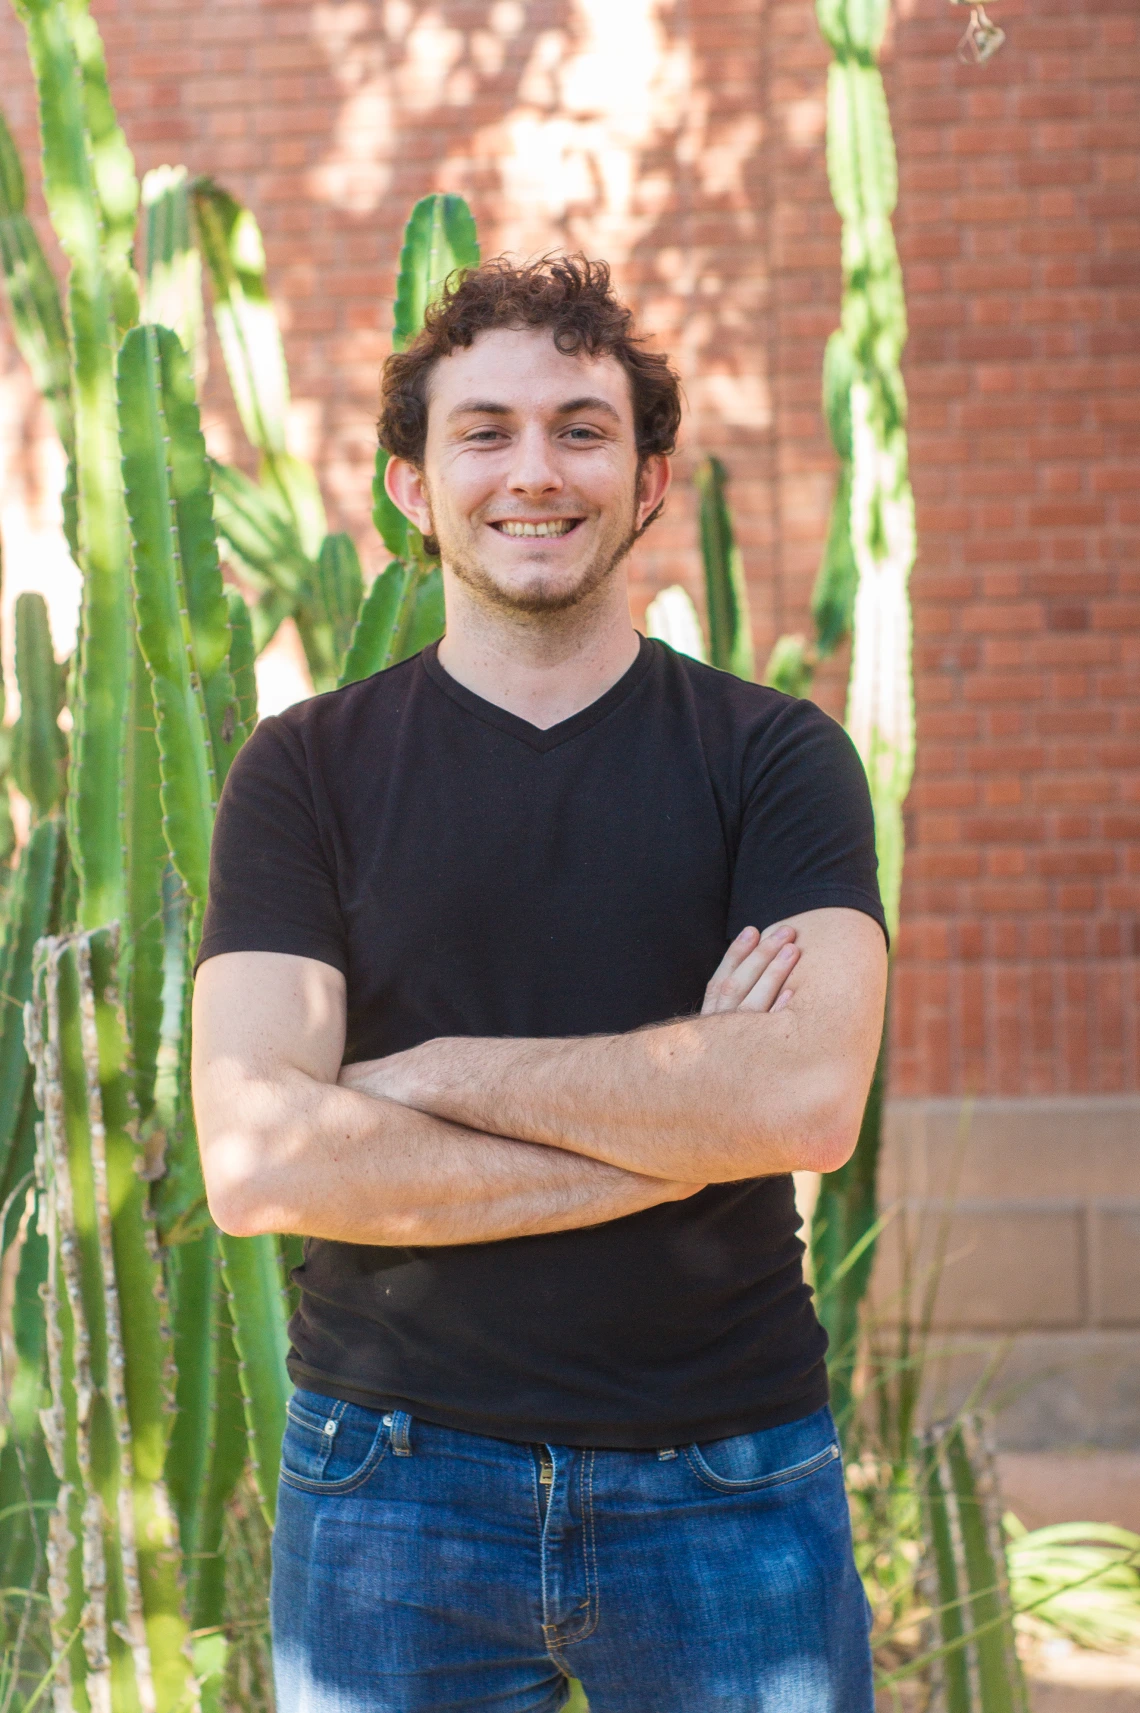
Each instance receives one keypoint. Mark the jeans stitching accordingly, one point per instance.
(589, 1552)
(779, 1478)
(307, 1485)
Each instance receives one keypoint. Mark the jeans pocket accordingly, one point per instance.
(331, 1446)
(772, 1457)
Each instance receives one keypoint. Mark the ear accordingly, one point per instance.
(656, 475)
(404, 485)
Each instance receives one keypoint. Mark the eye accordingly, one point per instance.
(582, 432)
(484, 436)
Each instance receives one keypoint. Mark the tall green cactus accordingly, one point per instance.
(439, 241)
(172, 295)
(726, 593)
(861, 589)
(122, 1570)
(37, 316)
(185, 636)
(87, 185)
(404, 611)
(136, 1466)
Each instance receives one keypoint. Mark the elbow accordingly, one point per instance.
(235, 1190)
(818, 1134)
(832, 1132)
(236, 1217)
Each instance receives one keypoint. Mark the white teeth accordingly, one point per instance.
(560, 526)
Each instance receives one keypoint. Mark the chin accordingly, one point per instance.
(544, 595)
(539, 592)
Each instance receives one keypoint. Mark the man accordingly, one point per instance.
(532, 969)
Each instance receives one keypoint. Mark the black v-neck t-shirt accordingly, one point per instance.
(473, 875)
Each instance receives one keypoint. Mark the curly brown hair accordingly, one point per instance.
(571, 295)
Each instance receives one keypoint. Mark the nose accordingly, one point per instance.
(533, 470)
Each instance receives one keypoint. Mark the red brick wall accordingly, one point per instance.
(685, 142)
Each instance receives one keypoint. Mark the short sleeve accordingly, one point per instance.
(272, 886)
(807, 833)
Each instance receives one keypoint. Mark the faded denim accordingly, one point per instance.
(421, 1570)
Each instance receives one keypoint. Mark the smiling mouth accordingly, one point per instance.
(549, 528)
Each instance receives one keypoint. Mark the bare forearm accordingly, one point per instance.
(338, 1164)
(662, 1100)
(773, 1081)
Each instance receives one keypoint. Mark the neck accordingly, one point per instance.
(544, 667)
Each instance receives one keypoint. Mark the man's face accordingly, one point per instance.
(530, 480)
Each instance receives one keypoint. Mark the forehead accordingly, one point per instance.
(522, 369)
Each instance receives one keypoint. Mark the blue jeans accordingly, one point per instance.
(421, 1570)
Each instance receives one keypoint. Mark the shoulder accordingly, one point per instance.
(319, 719)
(329, 724)
(755, 720)
(323, 737)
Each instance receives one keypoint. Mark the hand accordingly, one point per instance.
(752, 973)
(384, 1079)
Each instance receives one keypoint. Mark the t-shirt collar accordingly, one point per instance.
(517, 727)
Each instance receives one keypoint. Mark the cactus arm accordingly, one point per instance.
(439, 239)
(137, 1344)
(426, 619)
(33, 296)
(172, 294)
(207, 609)
(181, 607)
(400, 615)
(193, 1269)
(833, 598)
(39, 747)
(144, 858)
(262, 539)
(399, 535)
(296, 481)
(340, 587)
(241, 660)
(74, 1426)
(253, 1281)
(726, 593)
(227, 1464)
(243, 313)
(112, 1374)
(73, 203)
(179, 1195)
(112, 164)
(165, 634)
(999, 1677)
(326, 619)
(27, 921)
(379, 622)
(254, 355)
(948, 1604)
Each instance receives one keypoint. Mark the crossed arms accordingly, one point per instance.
(470, 1140)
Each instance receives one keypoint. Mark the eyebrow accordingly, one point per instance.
(491, 407)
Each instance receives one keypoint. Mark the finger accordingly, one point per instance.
(743, 944)
(737, 977)
(769, 984)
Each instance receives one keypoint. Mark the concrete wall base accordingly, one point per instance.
(1026, 1215)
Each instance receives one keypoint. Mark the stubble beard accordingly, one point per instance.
(533, 601)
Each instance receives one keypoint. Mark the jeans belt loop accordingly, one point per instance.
(401, 1432)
